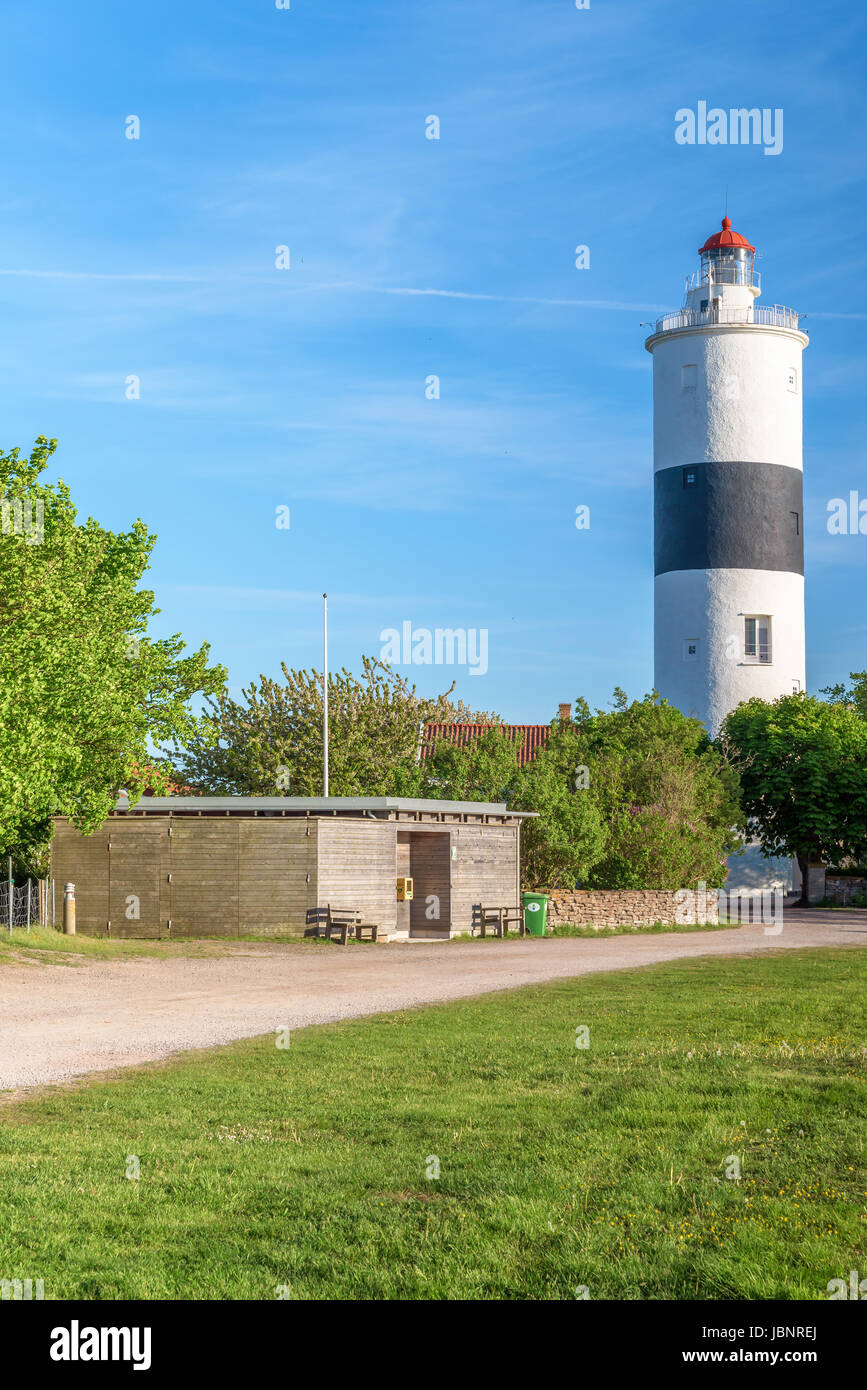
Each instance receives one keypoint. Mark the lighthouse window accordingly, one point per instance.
(690, 649)
(792, 379)
(690, 477)
(757, 640)
(688, 376)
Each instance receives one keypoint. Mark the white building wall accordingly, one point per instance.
(741, 405)
(710, 606)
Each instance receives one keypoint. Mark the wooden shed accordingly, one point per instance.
(239, 865)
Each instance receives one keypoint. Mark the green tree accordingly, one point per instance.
(667, 797)
(83, 689)
(269, 743)
(803, 769)
(484, 770)
(561, 845)
(633, 797)
(854, 695)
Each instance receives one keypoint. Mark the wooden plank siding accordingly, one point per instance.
(84, 861)
(275, 858)
(215, 875)
(403, 870)
(208, 877)
(358, 868)
(484, 870)
(139, 893)
(204, 877)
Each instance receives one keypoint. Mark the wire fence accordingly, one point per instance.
(25, 904)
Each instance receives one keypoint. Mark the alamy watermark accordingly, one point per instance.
(23, 517)
(445, 646)
(737, 126)
(695, 906)
(847, 516)
(22, 1290)
(856, 1288)
(77, 1343)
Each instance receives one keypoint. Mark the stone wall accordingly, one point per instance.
(842, 889)
(596, 907)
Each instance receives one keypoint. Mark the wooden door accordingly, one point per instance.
(430, 861)
(204, 877)
(135, 878)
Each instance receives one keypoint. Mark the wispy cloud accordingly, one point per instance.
(267, 279)
(101, 275)
(513, 298)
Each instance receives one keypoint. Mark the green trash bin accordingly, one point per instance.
(535, 912)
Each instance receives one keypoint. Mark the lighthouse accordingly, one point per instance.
(728, 490)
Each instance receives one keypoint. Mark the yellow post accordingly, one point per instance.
(69, 909)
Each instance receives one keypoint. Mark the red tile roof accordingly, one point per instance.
(172, 788)
(529, 739)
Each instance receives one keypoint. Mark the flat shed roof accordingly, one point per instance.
(384, 807)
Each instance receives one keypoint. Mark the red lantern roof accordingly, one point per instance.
(725, 238)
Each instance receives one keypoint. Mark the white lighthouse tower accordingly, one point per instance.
(728, 490)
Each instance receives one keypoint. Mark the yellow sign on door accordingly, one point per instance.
(404, 890)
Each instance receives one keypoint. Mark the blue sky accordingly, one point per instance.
(413, 257)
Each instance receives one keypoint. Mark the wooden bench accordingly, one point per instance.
(342, 922)
(318, 920)
(332, 923)
(497, 920)
(339, 924)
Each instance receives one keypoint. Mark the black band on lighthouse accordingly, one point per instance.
(729, 516)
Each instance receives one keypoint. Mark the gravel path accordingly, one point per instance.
(58, 1022)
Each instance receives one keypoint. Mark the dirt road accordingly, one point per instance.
(57, 1021)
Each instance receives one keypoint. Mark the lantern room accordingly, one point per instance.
(727, 258)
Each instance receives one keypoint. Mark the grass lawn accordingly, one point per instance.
(564, 929)
(559, 1167)
(78, 949)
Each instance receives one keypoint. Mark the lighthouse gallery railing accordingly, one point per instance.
(776, 317)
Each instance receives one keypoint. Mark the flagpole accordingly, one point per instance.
(325, 694)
